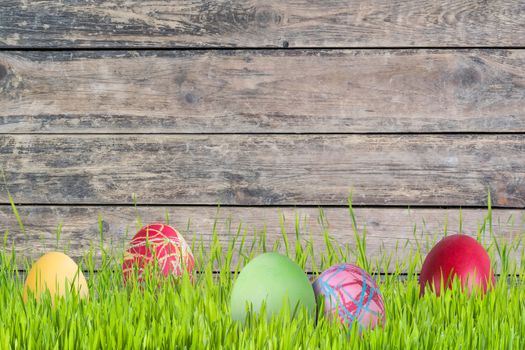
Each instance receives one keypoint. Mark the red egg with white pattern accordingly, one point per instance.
(157, 247)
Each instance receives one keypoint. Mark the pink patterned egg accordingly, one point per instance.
(160, 244)
(350, 294)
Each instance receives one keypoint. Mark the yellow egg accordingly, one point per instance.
(57, 273)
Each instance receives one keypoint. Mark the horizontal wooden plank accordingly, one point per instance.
(455, 170)
(341, 91)
(253, 23)
(394, 232)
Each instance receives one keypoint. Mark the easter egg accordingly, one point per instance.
(457, 256)
(275, 280)
(161, 248)
(57, 273)
(350, 294)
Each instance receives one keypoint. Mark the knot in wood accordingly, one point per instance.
(190, 98)
(265, 16)
(105, 226)
(466, 77)
(3, 72)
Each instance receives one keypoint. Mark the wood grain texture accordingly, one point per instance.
(335, 91)
(441, 170)
(255, 23)
(389, 231)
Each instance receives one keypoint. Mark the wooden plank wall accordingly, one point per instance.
(267, 108)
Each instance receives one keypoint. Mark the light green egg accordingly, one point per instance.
(274, 279)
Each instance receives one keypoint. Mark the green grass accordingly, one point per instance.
(179, 314)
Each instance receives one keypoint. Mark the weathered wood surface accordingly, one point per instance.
(391, 231)
(440, 170)
(337, 91)
(254, 23)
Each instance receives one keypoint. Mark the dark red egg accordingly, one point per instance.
(457, 256)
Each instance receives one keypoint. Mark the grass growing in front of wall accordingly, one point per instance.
(182, 314)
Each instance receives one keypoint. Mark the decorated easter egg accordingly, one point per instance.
(57, 273)
(274, 280)
(457, 256)
(350, 295)
(161, 248)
